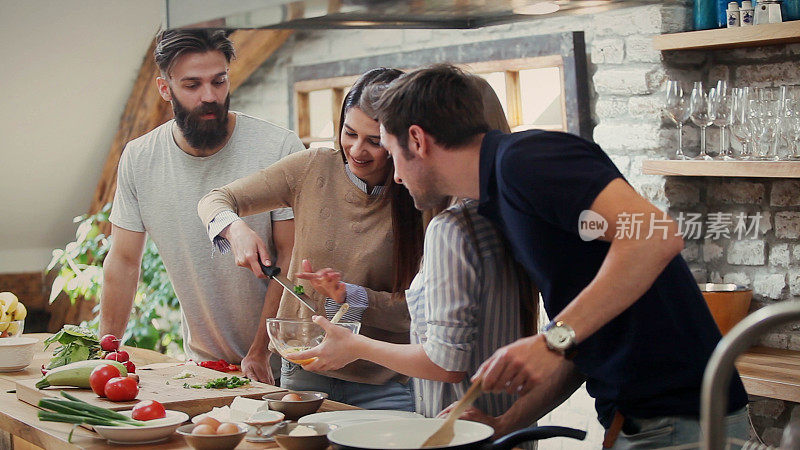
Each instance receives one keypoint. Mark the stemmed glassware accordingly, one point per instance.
(719, 111)
(740, 127)
(769, 107)
(791, 128)
(698, 112)
(678, 111)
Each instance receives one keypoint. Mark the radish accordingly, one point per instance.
(109, 343)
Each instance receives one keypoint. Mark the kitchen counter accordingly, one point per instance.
(19, 419)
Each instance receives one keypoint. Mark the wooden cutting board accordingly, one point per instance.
(158, 384)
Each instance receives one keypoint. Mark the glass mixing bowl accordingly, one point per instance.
(296, 335)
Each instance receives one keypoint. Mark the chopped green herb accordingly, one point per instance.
(220, 383)
(299, 290)
(182, 375)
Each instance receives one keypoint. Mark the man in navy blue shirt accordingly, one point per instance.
(627, 312)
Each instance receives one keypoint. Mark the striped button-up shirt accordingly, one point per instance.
(464, 305)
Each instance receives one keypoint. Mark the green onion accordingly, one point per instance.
(75, 411)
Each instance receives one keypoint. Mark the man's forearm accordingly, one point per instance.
(541, 399)
(629, 270)
(119, 288)
(283, 238)
(269, 310)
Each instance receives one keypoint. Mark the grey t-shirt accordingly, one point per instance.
(158, 187)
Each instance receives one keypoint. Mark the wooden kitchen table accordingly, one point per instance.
(19, 420)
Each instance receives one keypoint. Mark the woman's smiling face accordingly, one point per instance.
(361, 146)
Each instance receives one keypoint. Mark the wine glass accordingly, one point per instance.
(678, 111)
(791, 128)
(769, 112)
(719, 111)
(755, 125)
(740, 128)
(698, 112)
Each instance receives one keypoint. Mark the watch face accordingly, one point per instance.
(559, 337)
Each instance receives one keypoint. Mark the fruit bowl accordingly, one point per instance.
(295, 335)
(11, 328)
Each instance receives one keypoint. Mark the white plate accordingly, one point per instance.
(159, 431)
(355, 416)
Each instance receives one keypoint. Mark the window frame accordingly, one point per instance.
(564, 50)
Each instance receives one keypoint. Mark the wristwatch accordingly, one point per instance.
(560, 338)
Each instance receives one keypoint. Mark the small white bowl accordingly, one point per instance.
(159, 431)
(16, 353)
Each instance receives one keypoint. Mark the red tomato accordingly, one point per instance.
(100, 376)
(148, 410)
(121, 389)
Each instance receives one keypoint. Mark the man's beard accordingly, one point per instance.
(202, 134)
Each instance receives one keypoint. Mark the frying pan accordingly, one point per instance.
(408, 434)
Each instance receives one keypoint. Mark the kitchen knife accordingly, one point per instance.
(274, 273)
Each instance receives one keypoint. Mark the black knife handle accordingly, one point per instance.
(269, 271)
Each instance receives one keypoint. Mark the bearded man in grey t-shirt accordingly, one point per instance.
(161, 177)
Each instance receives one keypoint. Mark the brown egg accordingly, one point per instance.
(291, 398)
(210, 421)
(203, 430)
(227, 428)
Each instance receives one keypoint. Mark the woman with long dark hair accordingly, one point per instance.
(469, 298)
(349, 214)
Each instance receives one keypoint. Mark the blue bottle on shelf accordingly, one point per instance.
(722, 13)
(705, 14)
(790, 10)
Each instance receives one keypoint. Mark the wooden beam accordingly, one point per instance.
(146, 109)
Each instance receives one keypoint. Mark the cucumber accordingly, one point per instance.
(76, 374)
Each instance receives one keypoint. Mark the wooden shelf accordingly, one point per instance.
(769, 372)
(752, 169)
(767, 34)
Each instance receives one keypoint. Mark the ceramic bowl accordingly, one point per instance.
(309, 403)
(16, 353)
(261, 425)
(291, 336)
(318, 441)
(214, 441)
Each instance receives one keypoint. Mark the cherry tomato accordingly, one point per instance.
(148, 410)
(121, 389)
(109, 343)
(100, 376)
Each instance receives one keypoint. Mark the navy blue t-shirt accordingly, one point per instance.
(649, 360)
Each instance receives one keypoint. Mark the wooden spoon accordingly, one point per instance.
(338, 316)
(445, 433)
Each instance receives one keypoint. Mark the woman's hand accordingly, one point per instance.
(327, 282)
(336, 351)
(247, 247)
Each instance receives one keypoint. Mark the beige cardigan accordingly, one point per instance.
(337, 225)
